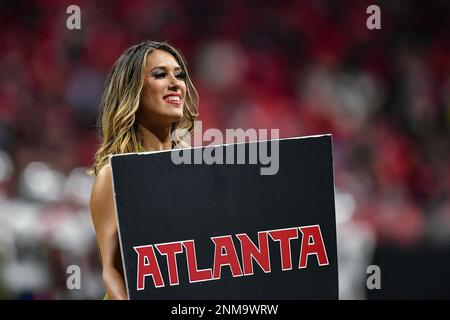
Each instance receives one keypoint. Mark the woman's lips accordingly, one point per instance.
(173, 99)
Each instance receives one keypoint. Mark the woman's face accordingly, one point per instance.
(164, 90)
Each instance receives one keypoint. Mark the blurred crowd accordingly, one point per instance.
(305, 67)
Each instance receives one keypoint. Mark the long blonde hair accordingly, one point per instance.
(117, 114)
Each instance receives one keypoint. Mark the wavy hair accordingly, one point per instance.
(116, 121)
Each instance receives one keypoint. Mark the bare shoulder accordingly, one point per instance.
(102, 190)
(104, 175)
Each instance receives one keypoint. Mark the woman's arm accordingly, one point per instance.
(104, 219)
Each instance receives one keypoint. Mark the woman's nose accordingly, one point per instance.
(174, 86)
(173, 82)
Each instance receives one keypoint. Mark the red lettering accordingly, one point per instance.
(229, 258)
(170, 250)
(225, 255)
(195, 275)
(315, 247)
(147, 266)
(250, 251)
(285, 236)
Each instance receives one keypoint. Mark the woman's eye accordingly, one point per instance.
(181, 75)
(159, 75)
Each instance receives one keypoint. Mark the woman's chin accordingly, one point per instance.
(175, 115)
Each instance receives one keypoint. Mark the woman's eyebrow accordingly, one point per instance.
(166, 68)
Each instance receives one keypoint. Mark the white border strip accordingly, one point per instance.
(221, 145)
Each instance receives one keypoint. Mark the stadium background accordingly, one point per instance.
(305, 67)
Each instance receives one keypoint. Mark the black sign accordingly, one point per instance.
(229, 230)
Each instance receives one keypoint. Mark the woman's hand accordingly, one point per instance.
(115, 286)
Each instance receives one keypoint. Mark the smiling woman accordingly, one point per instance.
(148, 98)
(162, 96)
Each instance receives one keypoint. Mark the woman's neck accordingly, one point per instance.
(155, 139)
